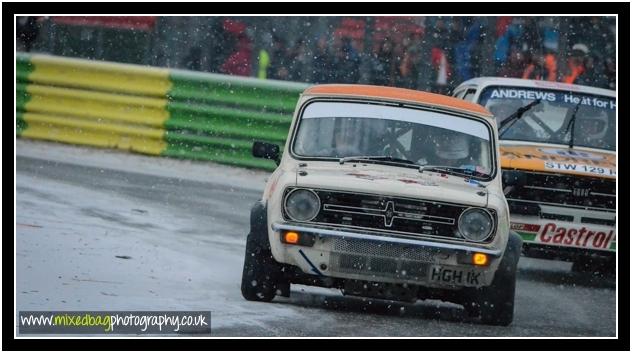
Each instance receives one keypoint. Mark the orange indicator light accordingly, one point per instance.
(479, 259)
(291, 237)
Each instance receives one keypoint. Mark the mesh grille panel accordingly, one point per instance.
(395, 268)
(369, 248)
(392, 260)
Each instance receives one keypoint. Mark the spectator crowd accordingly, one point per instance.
(435, 53)
(425, 53)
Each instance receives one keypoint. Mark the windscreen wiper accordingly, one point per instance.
(572, 121)
(464, 172)
(376, 158)
(513, 118)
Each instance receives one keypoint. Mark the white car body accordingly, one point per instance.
(323, 258)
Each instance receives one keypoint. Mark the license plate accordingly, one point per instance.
(446, 275)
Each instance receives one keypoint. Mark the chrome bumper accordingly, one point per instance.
(325, 232)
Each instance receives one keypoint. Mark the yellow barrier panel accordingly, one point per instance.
(96, 75)
(97, 105)
(104, 133)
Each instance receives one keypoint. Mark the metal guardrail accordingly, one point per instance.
(151, 110)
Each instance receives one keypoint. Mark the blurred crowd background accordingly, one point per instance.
(425, 53)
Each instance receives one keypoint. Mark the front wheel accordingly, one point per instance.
(494, 304)
(260, 278)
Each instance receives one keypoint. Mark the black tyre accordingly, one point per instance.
(262, 278)
(610, 267)
(582, 265)
(494, 304)
(257, 281)
(595, 266)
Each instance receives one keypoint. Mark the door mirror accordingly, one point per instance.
(266, 150)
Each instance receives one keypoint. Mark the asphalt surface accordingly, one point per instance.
(105, 230)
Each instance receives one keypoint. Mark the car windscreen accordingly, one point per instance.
(551, 121)
(344, 129)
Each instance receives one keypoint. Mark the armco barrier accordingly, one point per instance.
(150, 110)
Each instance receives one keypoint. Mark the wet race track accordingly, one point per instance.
(104, 230)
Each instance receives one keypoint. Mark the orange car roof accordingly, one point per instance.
(400, 94)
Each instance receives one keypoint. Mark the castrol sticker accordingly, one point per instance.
(580, 237)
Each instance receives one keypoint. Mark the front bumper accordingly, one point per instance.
(378, 257)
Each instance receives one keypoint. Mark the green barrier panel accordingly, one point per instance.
(21, 97)
(202, 79)
(20, 123)
(223, 159)
(22, 70)
(227, 130)
(198, 111)
(217, 96)
(253, 93)
(228, 122)
(222, 150)
(23, 67)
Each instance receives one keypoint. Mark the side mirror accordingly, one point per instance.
(267, 151)
(514, 178)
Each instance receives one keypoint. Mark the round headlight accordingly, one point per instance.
(476, 224)
(302, 205)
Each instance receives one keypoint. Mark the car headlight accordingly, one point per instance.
(476, 224)
(302, 205)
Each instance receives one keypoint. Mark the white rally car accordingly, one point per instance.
(386, 193)
(558, 155)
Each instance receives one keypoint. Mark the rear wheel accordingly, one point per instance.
(582, 265)
(494, 304)
(595, 266)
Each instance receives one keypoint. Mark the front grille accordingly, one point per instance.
(391, 215)
(565, 190)
(381, 259)
(379, 266)
(381, 249)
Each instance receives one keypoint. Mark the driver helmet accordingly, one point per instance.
(452, 146)
(594, 125)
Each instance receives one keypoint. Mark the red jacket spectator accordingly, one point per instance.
(239, 62)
